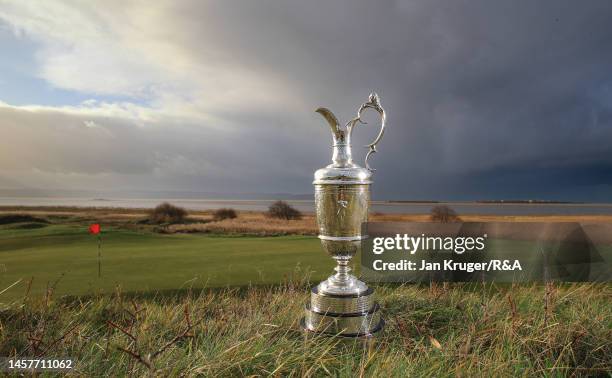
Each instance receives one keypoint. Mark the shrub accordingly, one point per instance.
(444, 214)
(282, 210)
(222, 214)
(20, 218)
(167, 213)
(29, 226)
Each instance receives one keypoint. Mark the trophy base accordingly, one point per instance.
(344, 315)
(358, 336)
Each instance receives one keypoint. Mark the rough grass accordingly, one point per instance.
(444, 330)
(258, 224)
(251, 224)
(439, 331)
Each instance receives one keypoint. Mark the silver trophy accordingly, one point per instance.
(343, 305)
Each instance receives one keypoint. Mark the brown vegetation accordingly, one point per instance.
(167, 213)
(224, 213)
(282, 210)
(443, 214)
(251, 223)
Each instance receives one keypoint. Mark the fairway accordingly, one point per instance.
(65, 257)
(140, 261)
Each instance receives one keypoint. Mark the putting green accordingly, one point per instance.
(146, 262)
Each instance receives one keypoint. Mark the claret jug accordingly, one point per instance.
(342, 304)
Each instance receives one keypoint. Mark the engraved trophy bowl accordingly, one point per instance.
(343, 305)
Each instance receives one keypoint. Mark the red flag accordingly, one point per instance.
(94, 229)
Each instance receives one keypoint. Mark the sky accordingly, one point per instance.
(484, 99)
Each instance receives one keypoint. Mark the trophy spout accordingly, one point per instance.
(342, 155)
(333, 122)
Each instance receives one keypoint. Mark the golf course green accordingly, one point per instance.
(65, 257)
(37, 256)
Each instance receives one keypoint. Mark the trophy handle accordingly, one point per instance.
(373, 103)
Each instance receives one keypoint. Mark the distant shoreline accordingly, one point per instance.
(476, 203)
(517, 208)
(530, 202)
(254, 200)
(377, 208)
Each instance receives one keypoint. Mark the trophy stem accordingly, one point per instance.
(342, 282)
(342, 271)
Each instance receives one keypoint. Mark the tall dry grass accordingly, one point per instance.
(457, 330)
(251, 224)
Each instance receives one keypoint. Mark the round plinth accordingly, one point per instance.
(341, 304)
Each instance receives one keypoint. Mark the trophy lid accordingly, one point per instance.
(343, 170)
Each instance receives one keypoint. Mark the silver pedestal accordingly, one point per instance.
(343, 315)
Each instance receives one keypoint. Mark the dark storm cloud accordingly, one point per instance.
(477, 92)
(485, 99)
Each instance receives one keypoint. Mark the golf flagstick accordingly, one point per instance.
(99, 256)
(95, 229)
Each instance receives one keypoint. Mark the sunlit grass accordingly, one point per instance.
(440, 331)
